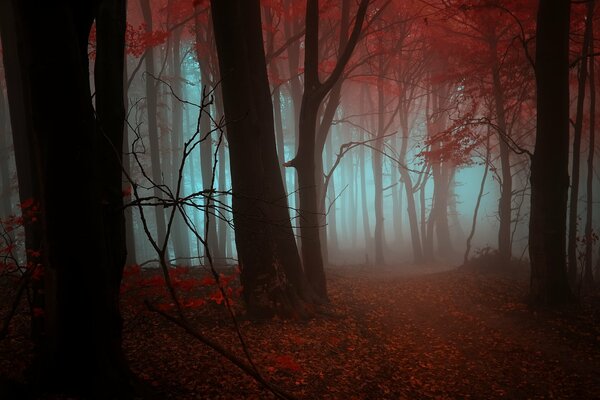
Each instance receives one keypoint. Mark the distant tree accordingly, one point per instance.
(549, 168)
(582, 76)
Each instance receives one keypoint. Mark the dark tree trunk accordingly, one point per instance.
(505, 201)
(5, 189)
(410, 191)
(378, 234)
(129, 227)
(152, 112)
(80, 348)
(478, 202)
(575, 163)
(274, 69)
(181, 239)
(215, 246)
(397, 194)
(304, 162)
(264, 238)
(363, 199)
(588, 276)
(549, 168)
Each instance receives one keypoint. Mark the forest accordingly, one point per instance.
(299, 199)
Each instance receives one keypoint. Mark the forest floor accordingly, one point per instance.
(391, 333)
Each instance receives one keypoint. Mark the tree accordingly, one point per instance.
(152, 112)
(549, 166)
(305, 160)
(577, 133)
(66, 146)
(271, 273)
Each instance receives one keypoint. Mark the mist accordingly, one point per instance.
(355, 199)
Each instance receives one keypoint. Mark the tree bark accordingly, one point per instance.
(215, 245)
(505, 201)
(549, 168)
(304, 162)
(575, 164)
(588, 276)
(151, 113)
(79, 346)
(271, 271)
(181, 239)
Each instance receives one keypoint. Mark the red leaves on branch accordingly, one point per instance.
(138, 40)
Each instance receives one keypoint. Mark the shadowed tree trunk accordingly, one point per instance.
(181, 239)
(505, 201)
(575, 164)
(549, 166)
(588, 276)
(215, 245)
(5, 205)
(271, 270)
(409, 188)
(377, 164)
(79, 349)
(152, 112)
(304, 162)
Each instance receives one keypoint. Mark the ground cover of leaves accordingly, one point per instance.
(389, 334)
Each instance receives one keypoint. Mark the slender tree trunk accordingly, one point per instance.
(408, 186)
(363, 199)
(274, 69)
(549, 167)
(151, 113)
(129, 227)
(588, 276)
(332, 215)
(181, 239)
(223, 226)
(478, 202)
(575, 164)
(5, 190)
(397, 200)
(505, 201)
(378, 170)
(424, 221)
(215, 246)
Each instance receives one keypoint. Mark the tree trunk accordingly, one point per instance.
(332, 214)
(181, 239)
(215, 246)
(549, 167)
(410, 191)
(129, 227)
(80, 348)
(478, 202)
(304, 162)
(151, 113)
(5, 189)
(378, 234)
(264, 238)
(575, 164)
(505, 201)
(588, 276)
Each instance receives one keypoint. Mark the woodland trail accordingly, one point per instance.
(393, 333)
